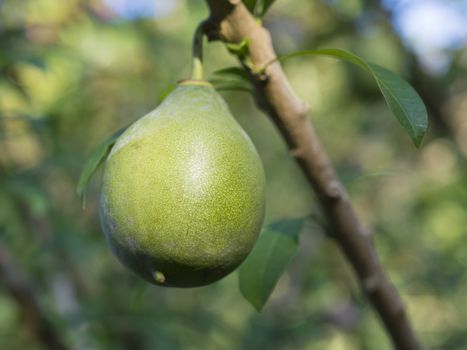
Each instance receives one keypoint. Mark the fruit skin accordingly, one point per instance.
(182, 199)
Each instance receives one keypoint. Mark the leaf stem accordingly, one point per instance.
(197, 63)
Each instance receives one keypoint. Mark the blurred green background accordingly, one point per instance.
(73, 72)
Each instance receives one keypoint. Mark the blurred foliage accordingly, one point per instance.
(73, 73)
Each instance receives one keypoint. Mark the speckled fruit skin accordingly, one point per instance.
(182, 199)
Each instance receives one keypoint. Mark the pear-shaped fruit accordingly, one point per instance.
(182, 199)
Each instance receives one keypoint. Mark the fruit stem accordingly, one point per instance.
(197, 68)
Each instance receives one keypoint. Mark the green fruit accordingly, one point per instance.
(182, 199)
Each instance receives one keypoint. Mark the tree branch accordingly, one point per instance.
(230, 21)
(15, 283)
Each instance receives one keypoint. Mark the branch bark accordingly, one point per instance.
(231, 22)
(20, 290)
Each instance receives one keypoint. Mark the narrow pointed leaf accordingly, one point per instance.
(250, 4)
(236, 72)
(231, 78)
(258, 7)
(166, 92)
(403, 101)
(96, 158)
(264, 266)
(262, 6)
(400, 96)
(233, 87)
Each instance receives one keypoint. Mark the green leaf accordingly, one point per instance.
(232, 78)
(400, 96)
(93, 163)
(232, 86)
(258, 7)
(403, 101)
(240, 49)
(166, 92)
(261, 270)
(235, 72)
(262, 6)
(250, 4)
